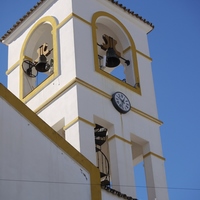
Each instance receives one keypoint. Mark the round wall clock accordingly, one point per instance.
(121, 102)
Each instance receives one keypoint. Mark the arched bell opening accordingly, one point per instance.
(115, 48)
(38, 59)
(110, 48)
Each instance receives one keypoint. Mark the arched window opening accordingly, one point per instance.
(38, 62)
(115, 54)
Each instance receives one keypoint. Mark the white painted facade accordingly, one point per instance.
(32, 166)
(78, 94)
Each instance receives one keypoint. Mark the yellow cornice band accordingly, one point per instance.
(153, 154)
(144, 55)
(64, 21)
(127, 49)
(76, 120)
(17, 64)
(91, 87)
(143, 114)
(80, 18)
(63, 89)
(139, 52)
(70, 16)
(95, 89)
(13, 67)
(120, 138)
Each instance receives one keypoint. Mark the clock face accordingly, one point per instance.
(121, 102)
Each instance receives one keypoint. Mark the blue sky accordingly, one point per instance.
(175, 48)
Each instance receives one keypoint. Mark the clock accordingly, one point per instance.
(121, 102)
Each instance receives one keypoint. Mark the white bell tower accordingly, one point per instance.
(85, 68)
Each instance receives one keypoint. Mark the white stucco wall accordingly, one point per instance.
(32, 167)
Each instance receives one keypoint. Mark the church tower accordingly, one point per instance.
(84, 67)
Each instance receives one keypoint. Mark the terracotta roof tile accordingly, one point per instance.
(41, 1)
(131, 12)
(117, 193)
(21, 20)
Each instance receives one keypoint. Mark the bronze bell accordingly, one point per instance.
(42, 65)
(112, 59)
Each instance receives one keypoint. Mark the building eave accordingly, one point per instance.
(132, 13)
(21, 20)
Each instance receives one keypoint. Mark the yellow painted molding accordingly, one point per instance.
(27, 58)
(80, 18)
(76, 120)
(64, 21)
(13, 67)
(137, 51)
(145, 115)
(70, 123)
(120, 82)
(127, 49)
(120, 138)
(86, 121)
(56, 139)
(59, 92)
(91, 87)
(144, 55)
(66, 87)
(153, 154)
(70, 16)
(16, 65)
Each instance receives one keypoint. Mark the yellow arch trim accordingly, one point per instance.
(132, 46)
(53, 23)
